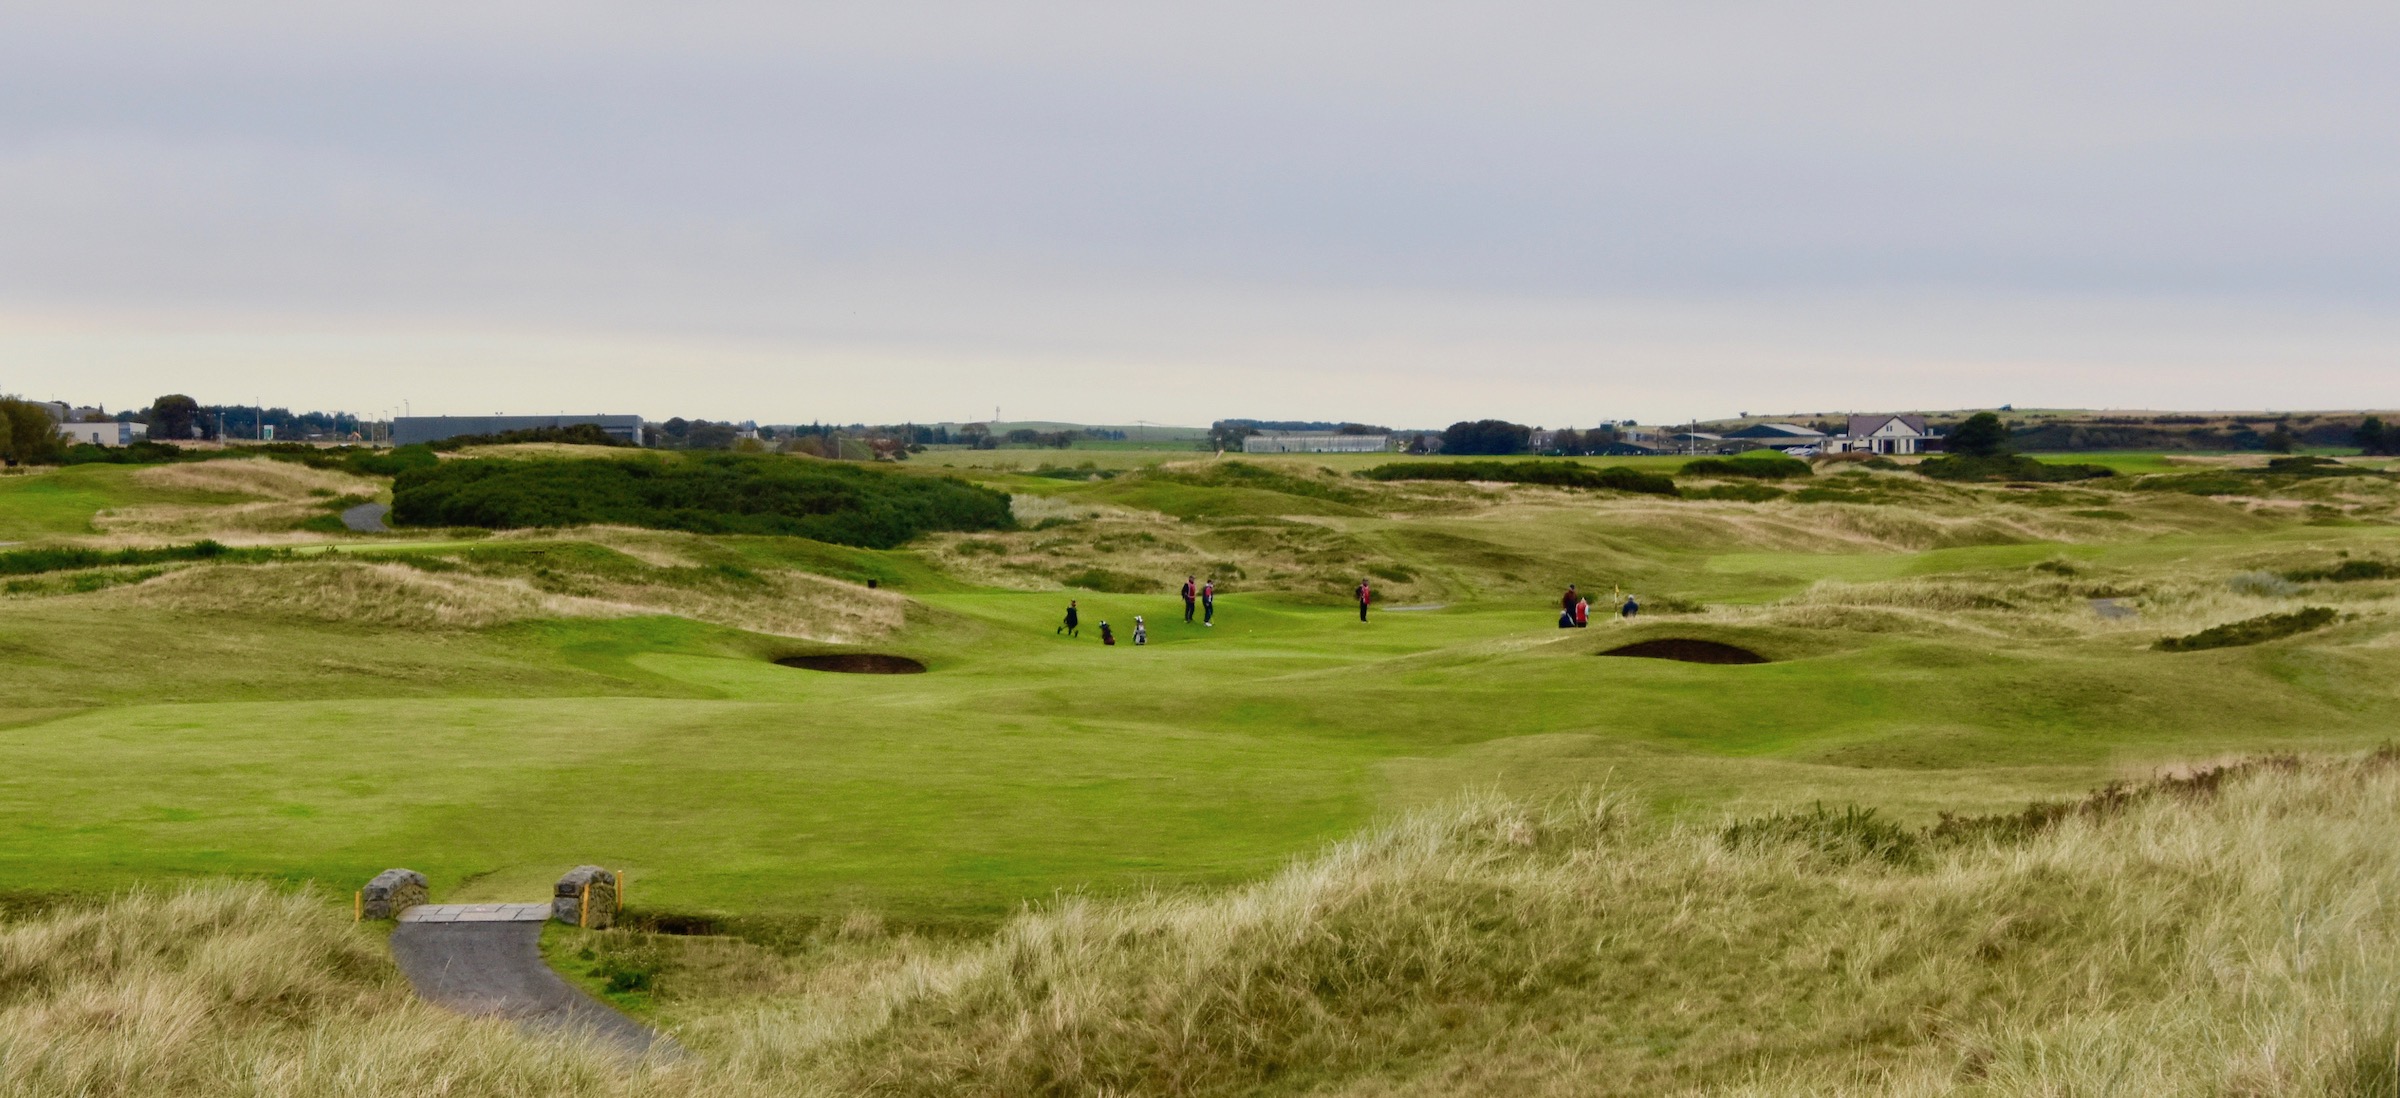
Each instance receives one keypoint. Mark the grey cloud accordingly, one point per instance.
(1215, 183)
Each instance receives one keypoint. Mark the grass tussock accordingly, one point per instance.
(357, 593)
(2222, 933)
(2225, 936)
(254, 496)
(235, 989)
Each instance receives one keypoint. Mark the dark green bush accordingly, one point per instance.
(1085, 471)
(1561, 474)
(711, 493)
(578, 434)
(2258, 630)
(139, 452)
(1114, 583)
(2349, 571)
(1758, 465)
(2312, 466)
(2017, 467)
(26, 562)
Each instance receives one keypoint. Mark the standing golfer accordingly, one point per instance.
(1583, 613)
(1208, 603)
(1630, 608)
(1366, 594)
(1191, 592)
(1069, 628)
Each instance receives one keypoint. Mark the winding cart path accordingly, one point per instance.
(486, 959)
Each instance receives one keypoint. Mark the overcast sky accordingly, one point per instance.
(1107, 212)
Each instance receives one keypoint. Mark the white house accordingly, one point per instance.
(102, 434)
(1882, 435)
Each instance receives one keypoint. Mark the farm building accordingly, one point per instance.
(407, 430)
(1316, 443)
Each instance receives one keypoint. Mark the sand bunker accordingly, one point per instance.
(856, 663)
(1687, 651)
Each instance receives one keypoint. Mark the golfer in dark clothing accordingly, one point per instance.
(1191, 592)
(1630, 608)
(1566, 602)
(1072, 621)
(1366, 594)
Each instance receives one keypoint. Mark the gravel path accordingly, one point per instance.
(490, 962)
(367, 518)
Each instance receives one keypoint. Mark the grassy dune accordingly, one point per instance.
(2224, 935)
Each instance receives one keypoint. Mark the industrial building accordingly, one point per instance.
(408, 430)
(110, 433)
(1312, 442)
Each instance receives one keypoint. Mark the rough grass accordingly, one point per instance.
(2228, 936)
(353, 592)
(270, 497)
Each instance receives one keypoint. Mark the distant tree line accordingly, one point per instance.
(1496, 437)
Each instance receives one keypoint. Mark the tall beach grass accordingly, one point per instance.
(2232, 935)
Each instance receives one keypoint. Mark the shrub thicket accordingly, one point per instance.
(2258, 630)
(2016, 467)
(577, 434)
(1757, 465)
(1487, 436)
(2349, 571)
(702, 493)
(26, 562)
(1560, 474)
(138, 452)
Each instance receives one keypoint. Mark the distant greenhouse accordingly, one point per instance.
(407, 430)
(1316, 443)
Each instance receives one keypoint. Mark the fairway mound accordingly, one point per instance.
(855, 663)
(1687, 650)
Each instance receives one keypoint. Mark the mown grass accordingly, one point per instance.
(330, 716)
(58, 502)
(2231, 936)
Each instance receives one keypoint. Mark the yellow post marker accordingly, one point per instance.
(583, 914)
(358, 906)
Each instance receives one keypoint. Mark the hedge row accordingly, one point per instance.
(703, 493)
(1562, 474)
